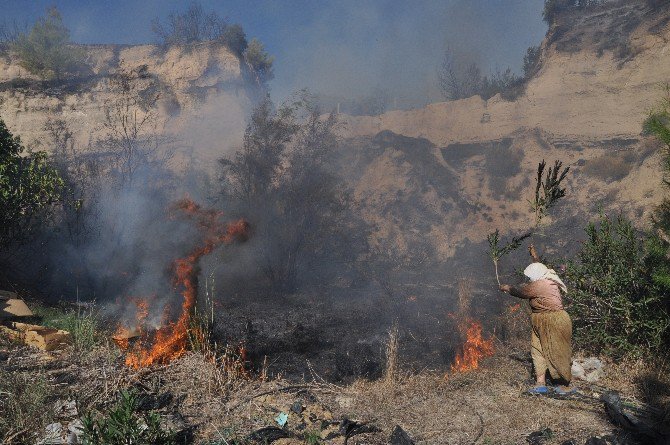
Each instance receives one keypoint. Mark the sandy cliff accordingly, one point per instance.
(601, 72)
(203, 95)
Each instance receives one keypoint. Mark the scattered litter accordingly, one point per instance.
(539, 437)
(65, 409)
(267, 435)
(297, 407)
(400, 437)
(595, 441)
(349, 428)
(53, 435)
(281, 419)
(590, 369)
(76, 430)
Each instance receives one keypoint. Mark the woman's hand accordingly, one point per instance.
(505, 288)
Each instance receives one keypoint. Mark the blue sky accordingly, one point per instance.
(345, 48)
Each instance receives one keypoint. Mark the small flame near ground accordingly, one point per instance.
(475, 348)
(171, 340)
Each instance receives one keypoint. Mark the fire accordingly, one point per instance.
(170, 341)
(475, 348)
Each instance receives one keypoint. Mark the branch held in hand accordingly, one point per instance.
(496, 251)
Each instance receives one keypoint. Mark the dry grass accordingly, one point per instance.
(487, 406)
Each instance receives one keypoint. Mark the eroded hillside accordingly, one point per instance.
(198, 94)
(601, 72)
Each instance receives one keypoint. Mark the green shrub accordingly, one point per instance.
(47, 50)
(123, 425)
(83, 325)
(259, 60)
(29, 188)
(616, 305)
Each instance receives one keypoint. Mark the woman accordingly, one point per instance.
(551, 347)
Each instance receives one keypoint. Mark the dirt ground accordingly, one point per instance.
(210, 405)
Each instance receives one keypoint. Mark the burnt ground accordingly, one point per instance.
(206, 404)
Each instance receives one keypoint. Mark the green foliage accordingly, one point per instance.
(496, 252)
(29, 188)
(47, 50)
(24, 402)
(234, 37)
(548, 190)
(123, 425)
(658, 243)
(259, 60)
(616, 306)
(313, 437)
(83, 325)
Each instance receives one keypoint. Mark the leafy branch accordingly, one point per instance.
(496, 251)
(548, 190)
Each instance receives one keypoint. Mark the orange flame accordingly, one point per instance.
(170, 341)
(474, 349)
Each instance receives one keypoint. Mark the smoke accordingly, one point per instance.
(351, 48)
(346, 48)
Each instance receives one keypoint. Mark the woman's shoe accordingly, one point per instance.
(538, 390)
(564, 392)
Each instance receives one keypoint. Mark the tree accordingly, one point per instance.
(281, 180)
(191, 26)
(29, 189)
(195, 25)
(259, 61)
(47, 50)
(132, 143)
(234, 37)
(458, 80)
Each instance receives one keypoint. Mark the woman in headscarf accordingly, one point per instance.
(551, 340)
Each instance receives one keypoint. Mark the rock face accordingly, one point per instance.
(601, 72)
(203, 89)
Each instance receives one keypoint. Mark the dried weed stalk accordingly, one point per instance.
(391, 372)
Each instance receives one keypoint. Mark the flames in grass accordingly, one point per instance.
(475, 348)
(171, 340)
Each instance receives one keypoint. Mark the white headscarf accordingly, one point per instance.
(538, 271)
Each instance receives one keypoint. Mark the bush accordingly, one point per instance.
(194, 25)
(234, 37)
(617, 307)
(282, 181)
(259, 60)
(29, 189)
(123, 425)
(47, 50)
